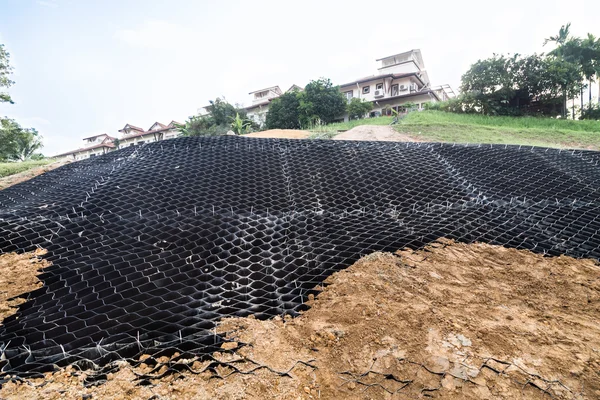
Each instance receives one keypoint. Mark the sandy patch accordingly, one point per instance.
(18, 275)
(375, 133)
(281, 134)
(452, 321)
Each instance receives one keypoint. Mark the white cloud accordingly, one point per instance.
(47, 3)
(155, 34)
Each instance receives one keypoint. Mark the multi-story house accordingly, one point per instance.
(132, 135)
(257, 112)
(93, 146)
(401, 79)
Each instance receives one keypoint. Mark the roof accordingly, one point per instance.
(135, 128)
(109, 145)
(175, 123)
(269, 88)
(382, 76)
(294, 87)
(162, 126)
(95, 136)
(416, 51)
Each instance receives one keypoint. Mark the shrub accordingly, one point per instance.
(358, 108)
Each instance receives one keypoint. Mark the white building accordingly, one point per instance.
(257, 112)
(93, 146)
(401, 79)
(132, 135)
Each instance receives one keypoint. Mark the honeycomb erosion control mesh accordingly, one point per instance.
(151, 245)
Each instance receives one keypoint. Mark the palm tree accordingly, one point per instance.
(27, 143)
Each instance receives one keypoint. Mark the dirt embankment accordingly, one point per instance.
(452, 321)
(375, 133)
(280, 134)
(30, 173)
(18, 275)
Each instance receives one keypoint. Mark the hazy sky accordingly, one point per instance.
(87, 67)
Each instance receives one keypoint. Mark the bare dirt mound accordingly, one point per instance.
(375, 133)
(452, 321)
(30, 173)
(281, 134)
(18, 275)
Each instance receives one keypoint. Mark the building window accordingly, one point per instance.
(379, 86)
(395, 90)
(349, 94)
(92, 155)
(366, 89)
(141, 142)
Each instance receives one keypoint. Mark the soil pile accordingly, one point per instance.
(18, 275)
(375, 133)
(452, 321)
(281, 134)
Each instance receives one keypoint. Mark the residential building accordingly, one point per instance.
(401, 79)
(132, 135)
(257, 112)
(93, 146)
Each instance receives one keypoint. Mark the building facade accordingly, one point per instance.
(93, 146)
(130, 136)
(401, 79)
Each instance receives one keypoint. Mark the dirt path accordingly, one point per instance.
(30, 173)
(281, 134)
(375, 133)
(452, 321)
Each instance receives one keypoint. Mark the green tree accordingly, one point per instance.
(284, 112)
(358, 108)
(239, 125)
(320, 101)
(222, 112)
(17, 143)
(5, 72)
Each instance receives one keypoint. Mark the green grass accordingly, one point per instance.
(12, 168)
(439, 126)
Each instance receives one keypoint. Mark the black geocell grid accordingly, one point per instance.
(150, 246)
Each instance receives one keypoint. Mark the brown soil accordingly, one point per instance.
(18, 275)
(452, 321)
(30, 173)
(281, 134)
(375, 133)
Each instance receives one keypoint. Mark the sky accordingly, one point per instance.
(86, 67)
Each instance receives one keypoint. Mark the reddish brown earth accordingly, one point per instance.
(452, 321)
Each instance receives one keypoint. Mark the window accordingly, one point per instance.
(349, 94)
(395, 90)
(379, 86)
(366, 89)
(141, 142)
(92, 155)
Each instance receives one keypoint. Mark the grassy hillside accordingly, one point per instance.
(460, 128)
(12, 168)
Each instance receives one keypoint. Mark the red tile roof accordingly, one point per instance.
(109, 145)
(135, 128)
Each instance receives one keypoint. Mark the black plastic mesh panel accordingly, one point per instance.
(152, 245)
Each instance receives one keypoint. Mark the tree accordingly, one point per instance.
(358, 108)
(5, 72)
(217, 122)
(320, 101)
(284, 112)
(239, 125)
(17, 143)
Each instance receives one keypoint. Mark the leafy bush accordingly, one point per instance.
(322, 101)
(284, 112)
(358, 108)
(591, 112)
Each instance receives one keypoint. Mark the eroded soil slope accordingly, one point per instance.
(452, 321)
